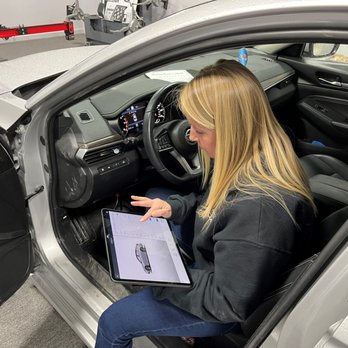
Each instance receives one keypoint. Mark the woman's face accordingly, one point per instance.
(204, 137)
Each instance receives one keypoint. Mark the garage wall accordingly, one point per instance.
(36, 12)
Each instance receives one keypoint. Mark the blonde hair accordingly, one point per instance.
(252, 150)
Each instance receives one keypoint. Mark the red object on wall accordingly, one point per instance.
(67, 27)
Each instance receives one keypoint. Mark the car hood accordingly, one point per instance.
(25, 70)
(34, 67)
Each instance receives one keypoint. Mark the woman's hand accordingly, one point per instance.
(157, 207)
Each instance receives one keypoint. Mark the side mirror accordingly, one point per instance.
(320, 50)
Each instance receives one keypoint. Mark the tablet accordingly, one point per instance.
(143, 252)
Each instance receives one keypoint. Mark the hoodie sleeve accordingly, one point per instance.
(183, 206)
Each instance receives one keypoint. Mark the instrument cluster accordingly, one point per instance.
(131, 119)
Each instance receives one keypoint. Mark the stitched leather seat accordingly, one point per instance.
(328, 178)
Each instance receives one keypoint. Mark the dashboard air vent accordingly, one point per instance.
(85, 116)
(101, 155)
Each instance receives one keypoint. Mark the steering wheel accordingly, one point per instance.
(170, 138)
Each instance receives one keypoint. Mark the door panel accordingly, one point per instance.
(322, 106)
(326, 120)
(16, 256)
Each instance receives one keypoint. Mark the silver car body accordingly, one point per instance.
(320, 317)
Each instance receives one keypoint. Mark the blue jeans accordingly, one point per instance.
(142, 315)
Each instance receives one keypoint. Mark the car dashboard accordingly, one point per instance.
(99, 140)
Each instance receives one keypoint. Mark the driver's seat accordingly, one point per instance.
(316, 164)
(328, 178)
(326, 231)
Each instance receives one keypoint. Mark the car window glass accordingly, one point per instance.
(341, 55)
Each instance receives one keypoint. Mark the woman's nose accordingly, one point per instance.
(192, 136)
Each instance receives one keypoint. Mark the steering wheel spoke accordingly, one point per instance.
(172, 137)
(190, 166)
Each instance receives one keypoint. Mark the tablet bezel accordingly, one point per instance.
(112, 259)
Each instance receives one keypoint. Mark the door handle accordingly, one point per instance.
(335, 83)
(331, 82)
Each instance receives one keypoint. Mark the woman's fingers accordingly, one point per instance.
(147, 215)
(157, 207)
(155, 212)
(139, 201)
(137, 198)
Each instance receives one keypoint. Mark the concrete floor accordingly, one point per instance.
(14, 49)
(27, 320)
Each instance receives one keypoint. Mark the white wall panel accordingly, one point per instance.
(39, 12)
(36, 12)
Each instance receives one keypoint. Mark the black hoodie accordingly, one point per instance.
(240, 254)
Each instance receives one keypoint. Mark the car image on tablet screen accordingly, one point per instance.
(141, 255)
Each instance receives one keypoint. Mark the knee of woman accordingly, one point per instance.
(113, 322)
(160, 192)
(107, 323)
(103, 321)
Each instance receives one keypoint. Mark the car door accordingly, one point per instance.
(16, 255)
(322, 106)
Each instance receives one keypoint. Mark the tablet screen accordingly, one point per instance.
(143, 252)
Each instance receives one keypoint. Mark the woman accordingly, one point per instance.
(252, 220)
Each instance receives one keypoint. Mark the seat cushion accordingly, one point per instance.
(324, 164)
(328, 179)
(329, 191)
